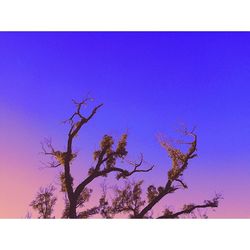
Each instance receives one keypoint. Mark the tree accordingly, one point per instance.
(44, 202)
(106, 158)
(128, 200)
(180, 162)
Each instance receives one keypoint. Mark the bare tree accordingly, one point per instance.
(44, 202)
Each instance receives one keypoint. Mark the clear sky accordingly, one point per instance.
(149, 83)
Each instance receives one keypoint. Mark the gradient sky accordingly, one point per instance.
(150, 83)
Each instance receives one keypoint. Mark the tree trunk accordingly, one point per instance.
(72, 210)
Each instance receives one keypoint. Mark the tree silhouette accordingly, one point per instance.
(180, 162)
(128, 200)
(44, 202)
(106, 158)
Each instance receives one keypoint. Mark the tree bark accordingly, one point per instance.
(72, 210)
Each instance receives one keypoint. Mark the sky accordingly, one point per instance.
(150, 83)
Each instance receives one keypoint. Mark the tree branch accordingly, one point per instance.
(137, 165)
(182, 183)
(180, 162)
(54, 154)
(123, 173)
(190, 208)
(75, 128)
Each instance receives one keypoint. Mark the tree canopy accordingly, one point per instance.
(130, 199)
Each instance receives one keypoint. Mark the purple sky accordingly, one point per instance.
(150, 83)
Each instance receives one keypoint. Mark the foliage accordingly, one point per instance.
(44, 202)
(128, 199)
